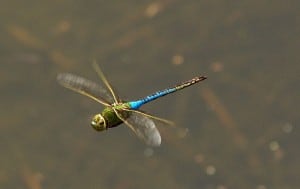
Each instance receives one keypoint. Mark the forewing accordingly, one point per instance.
(85, 87)
(144, 128)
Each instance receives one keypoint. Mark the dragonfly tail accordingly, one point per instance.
(137, 104)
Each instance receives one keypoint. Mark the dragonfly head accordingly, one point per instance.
(98, 123)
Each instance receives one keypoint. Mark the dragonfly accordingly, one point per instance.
(116, 111)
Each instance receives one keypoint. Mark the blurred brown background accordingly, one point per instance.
(237, 129)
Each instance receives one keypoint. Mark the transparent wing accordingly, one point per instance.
(143, 127)
(105, 81)
(159, 119)
(85, 87)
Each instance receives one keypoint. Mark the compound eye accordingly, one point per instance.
(98, 123)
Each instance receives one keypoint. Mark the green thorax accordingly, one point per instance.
(112, 120)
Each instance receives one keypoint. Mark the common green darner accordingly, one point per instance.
(116, 111)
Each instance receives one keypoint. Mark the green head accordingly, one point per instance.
(98, 123)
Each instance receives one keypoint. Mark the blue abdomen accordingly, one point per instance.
(137, 104)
